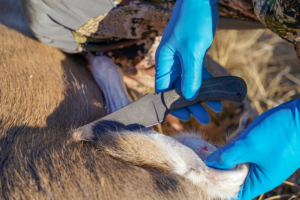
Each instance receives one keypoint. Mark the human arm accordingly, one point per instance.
(52, 21)
(271, 144)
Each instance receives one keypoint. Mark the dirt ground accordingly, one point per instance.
(270, 68)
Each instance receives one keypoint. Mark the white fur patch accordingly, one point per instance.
(223, 184)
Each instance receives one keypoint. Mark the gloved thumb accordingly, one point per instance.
(191, 66)
(228, 156)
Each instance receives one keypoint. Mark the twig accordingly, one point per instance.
(298, 195)
(291, 184)
(261, 197)
(292, 197)
(133, 95)
(279, 196)
(292, 78)
(159, 128)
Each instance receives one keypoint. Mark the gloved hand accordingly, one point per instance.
(271, 143)
(180, 57)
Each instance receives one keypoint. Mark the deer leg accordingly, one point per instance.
(109, 77)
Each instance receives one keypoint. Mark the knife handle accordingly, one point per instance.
(230, 88)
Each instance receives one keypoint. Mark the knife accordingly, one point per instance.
(153, 108)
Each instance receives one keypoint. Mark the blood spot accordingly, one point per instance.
(200, 149)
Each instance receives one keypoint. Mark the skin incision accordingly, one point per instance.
(200, 147)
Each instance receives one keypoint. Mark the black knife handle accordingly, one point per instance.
(214, 89)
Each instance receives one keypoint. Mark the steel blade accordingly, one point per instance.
(144, 112)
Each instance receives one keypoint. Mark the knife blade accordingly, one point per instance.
(153, 108)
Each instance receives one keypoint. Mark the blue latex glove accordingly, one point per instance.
(271, 143)
(180, 57)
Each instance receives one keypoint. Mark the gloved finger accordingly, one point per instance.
(191, 66)
(167, 67)
(165, 60)
(165, 82)
(216, 106)
(182, 114)
(200, 113)
(205, 73)
(197, 110)
(230, 155)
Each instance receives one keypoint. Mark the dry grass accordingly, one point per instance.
(270, 67)
(263, 60)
